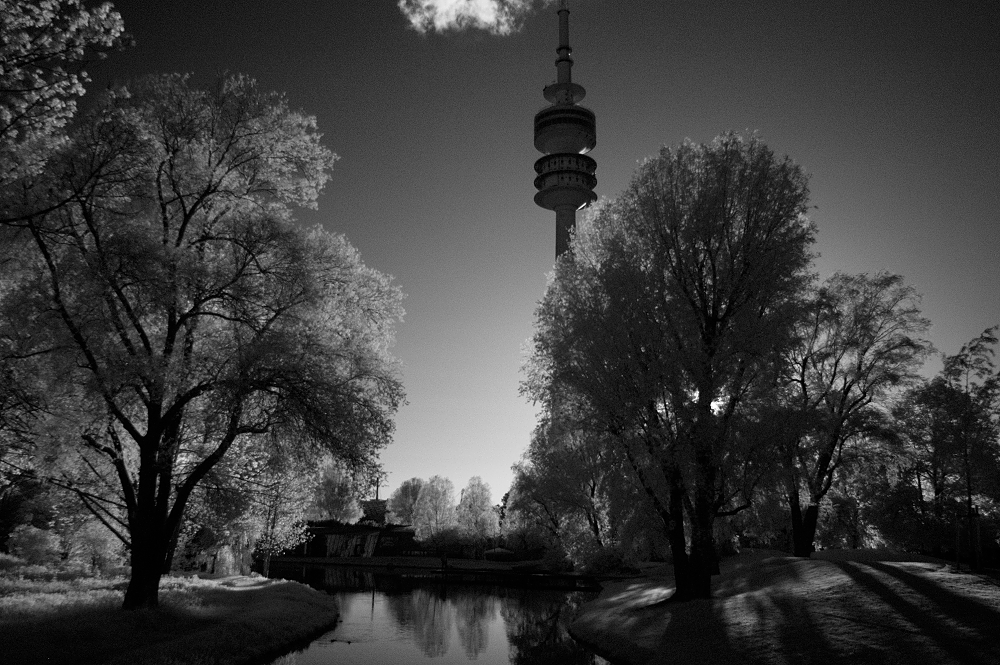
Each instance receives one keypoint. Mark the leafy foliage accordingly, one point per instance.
(34, 545)
(44, 46)
(434, 510)
(475, 514)
(337, 495)
(404, 499)
(185, 313)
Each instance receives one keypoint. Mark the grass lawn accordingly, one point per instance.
(852, 607)
(47, 617)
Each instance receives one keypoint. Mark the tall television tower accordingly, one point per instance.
(565, 131)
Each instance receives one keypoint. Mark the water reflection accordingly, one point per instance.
(400, 619)
(476, 611)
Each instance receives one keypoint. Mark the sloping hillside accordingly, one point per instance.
(838, 607)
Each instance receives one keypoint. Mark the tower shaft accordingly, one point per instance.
(564, 132)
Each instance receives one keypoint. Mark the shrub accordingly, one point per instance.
(97, 547)
(604, 560)
(36, 546)
(451, 541)
(9, 562)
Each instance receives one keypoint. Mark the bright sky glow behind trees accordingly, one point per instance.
(889, 106)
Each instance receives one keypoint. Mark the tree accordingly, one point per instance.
(434, 510)
(44, 47)
(255, 501)
(860, 338)
(475, 513)
(972, 373)
(285, 499)
(188, 312)
(570, 484)
(947, 468)
(337, 495)
(404, 499)
(671, 317)
(34, 545)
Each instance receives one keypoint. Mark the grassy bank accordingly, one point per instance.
(48, 617)
(839, 607)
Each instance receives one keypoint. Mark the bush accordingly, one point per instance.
(97, 547)
(9, 562)
(36, 546)
(451, 541)
(606, 560)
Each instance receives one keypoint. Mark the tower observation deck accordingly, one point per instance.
(565, 132)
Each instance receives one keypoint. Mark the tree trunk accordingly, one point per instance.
(683, 589)
(804, 528)
(704, 438)
(694, 578)
(703, 555)
(150, 546)
(147, 567)
(972, 527)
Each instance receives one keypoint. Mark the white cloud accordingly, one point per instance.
(500, 17)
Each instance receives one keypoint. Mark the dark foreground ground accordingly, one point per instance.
(227, 621)
(852, 607)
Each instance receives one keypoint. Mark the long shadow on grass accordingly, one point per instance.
(969, 636)
(976, 615)
(797, 637)
(694, 634)
(699, 632)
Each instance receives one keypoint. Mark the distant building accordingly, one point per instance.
(330, 539)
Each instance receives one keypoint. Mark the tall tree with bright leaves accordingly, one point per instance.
(187, 309)
(403, 500)
(434, 510)
(475, 513)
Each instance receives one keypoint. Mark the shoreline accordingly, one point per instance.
(458, 570)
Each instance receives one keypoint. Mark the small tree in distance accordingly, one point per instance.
(476, 515)
(404, 499)
(337, 495)
(434, 510)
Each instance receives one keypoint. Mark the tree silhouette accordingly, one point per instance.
(674, 313)
(859, 340)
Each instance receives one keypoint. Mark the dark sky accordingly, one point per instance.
(891, 106)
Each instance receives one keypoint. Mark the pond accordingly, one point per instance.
(398, 618)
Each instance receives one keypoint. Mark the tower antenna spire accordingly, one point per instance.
(564, 64)
(565, 132)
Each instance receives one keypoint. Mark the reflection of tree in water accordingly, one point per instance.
(429, 614)
(476, 610)
(347, 579)
(537, 623)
